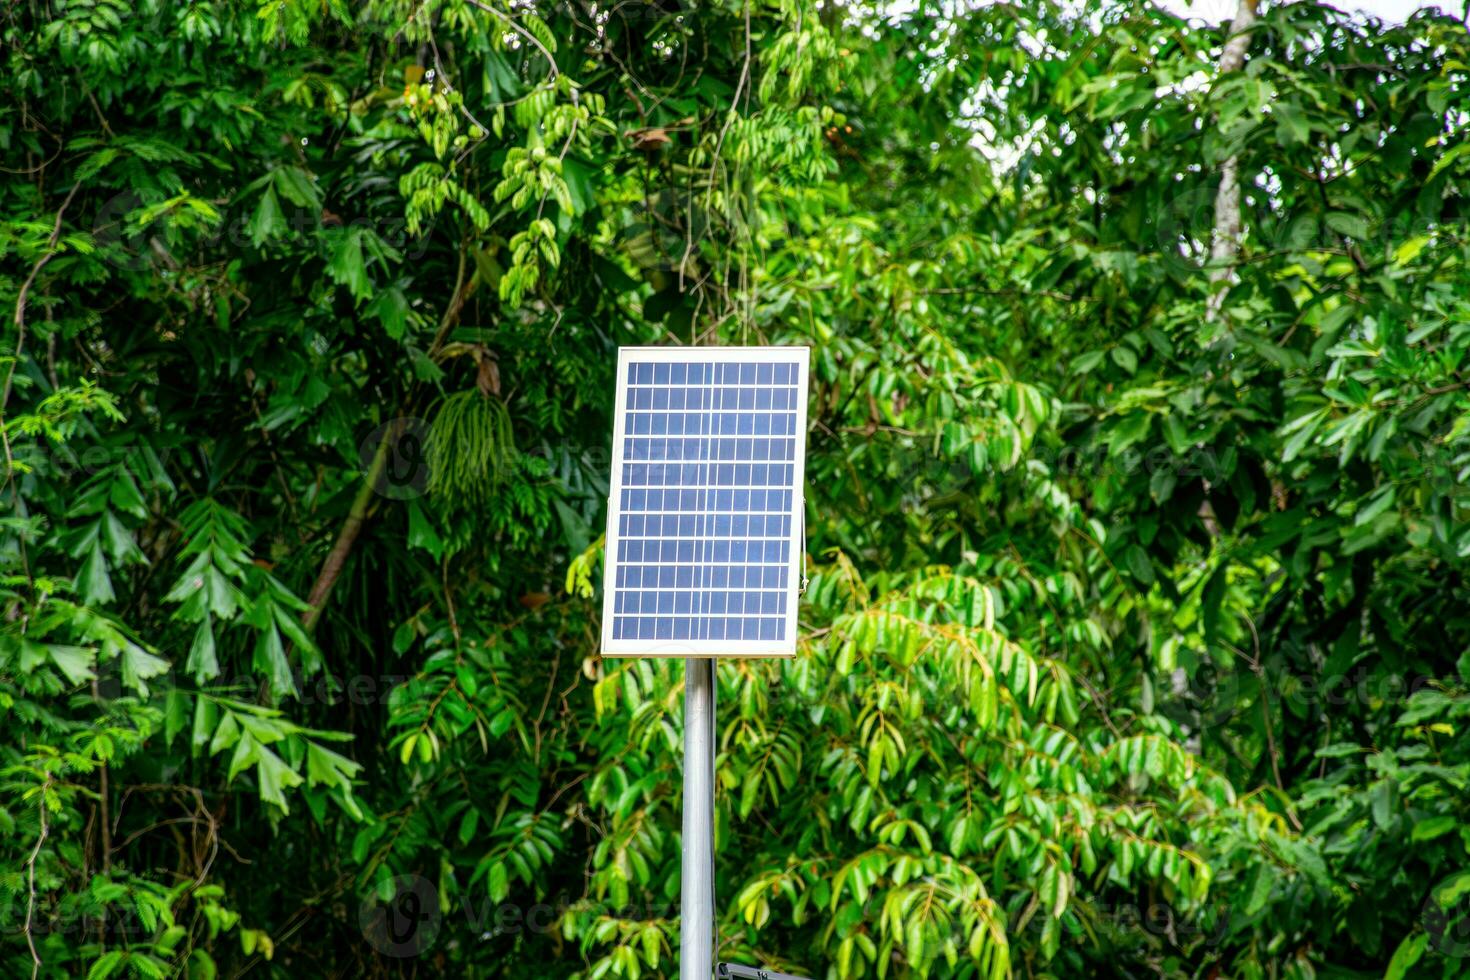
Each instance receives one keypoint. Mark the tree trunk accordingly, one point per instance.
(1225, 245)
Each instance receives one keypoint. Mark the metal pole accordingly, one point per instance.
(697, 886)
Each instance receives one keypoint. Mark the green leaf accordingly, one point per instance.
(327, 768)
(1433, 827)
(1261, 881)
(202, 965)
(247, 752)
(1211, 598)
(497, 882)
(203, 664)
(295, 185)
(421, 533)
(1385, 794)
(270, 661)
(1089, 361)
(138, 665)
(1407, 954)
(226, 733)
(347, 266)
(122, 493)
(1449, 891)
(390, 306)
(274, 777)
(94, 585)
(296, 633)
(176, 714)
(206, 716)
(106, 965)
(1348, 225)
(267, 222)
(222, 595)
(1292, 127)
(76, 663)
(467, 825)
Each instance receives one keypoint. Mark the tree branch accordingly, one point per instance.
(31, 881)
(1225, 246)
(23, 295)
(357, 514)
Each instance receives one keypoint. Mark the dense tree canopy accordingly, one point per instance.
(1137, 638)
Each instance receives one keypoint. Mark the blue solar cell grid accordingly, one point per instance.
(706, 501)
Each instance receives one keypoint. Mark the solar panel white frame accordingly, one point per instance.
(669, 647)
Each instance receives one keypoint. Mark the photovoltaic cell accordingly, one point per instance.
(704, 525)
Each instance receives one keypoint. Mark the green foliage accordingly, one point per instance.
(470, 445)
(1135, 641)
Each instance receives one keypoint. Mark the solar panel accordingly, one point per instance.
(704, 522)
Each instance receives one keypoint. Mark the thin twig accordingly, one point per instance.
(21, 297)
(511, 21)
(31, 883)
(20, 342)
(720, 140)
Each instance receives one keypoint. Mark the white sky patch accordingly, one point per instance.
(1393, 11)
(1005, 155)
(1218, 11)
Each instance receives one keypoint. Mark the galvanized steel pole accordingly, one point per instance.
(697, 886)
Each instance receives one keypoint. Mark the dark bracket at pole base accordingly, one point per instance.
(734, 971)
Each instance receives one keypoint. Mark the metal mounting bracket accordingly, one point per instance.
(734, 971)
